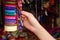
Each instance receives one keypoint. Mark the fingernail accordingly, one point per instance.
(22, 11)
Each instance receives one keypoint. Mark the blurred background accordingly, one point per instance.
(47, 12)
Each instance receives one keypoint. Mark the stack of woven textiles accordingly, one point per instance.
(10, 8)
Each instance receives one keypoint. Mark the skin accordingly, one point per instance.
(31, 23)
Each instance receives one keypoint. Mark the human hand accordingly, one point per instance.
(29, 21)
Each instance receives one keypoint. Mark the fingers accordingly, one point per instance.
(27, 24)
(23, 17)
(26, 14)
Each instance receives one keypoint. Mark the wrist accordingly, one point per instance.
(38, 29)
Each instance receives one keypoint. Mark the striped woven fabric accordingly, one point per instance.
(10, 8)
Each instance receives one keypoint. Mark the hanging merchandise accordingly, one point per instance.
(20, 5)
(10, 8)
(20, 25)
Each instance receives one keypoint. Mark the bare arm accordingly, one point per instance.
(31, 23)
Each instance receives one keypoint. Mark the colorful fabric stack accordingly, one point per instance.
(10, 8)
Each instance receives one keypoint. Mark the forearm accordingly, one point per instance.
(33, 25)
(43, 34)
